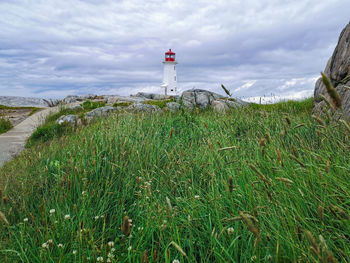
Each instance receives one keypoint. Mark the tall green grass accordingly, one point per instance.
(246, 186)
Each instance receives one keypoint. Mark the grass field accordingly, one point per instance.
(260, 184)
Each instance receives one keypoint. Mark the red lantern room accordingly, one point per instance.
(169, 56)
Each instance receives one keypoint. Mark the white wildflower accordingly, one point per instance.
(97, 217)
(75, 252)
(112, 249)
(129, 248)
(25, 219)
(99, 259)
(60, 245)
(83, 193)
(67, 217)
(176, 261)
(49, 241)
(110, 244)
(109, 260)
(230, 230)
(52, 211)
(196, 196)
(45, 245)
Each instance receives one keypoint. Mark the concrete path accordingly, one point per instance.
(13, 141)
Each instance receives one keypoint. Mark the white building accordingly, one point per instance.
(169, 75)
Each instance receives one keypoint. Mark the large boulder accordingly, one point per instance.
(111, 99)
(204, 98)
(338, 70)
(219, 106)
(99, 112)
(69, 119)
(173, 106)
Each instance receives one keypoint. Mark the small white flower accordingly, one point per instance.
(83, 193)
(140, 228)
(67, 217)
(49, 241)
(52, 211)
(109, 260)
(129, 248)
(196, 196)
(110, 255)
(97, 217)
(75, 252)
(176, 261)
(190, 188)
(230, 230)
(45, 245)
(253, 258)
(99, 259)
(110, 244)
(25, 219)
(60, 245)
(113, 250)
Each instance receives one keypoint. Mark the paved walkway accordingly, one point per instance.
(13, 141)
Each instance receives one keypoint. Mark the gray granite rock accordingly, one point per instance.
(15, 101)
(100, 112)
(338, 70)
(173, 106)
(151, 96)
(139, 107)
(69, 119)
(70, 99)
(111, 99)
(219, 106)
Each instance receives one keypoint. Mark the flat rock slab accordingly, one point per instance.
(13, 141)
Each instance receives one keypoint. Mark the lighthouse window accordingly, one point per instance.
(175, 78)
(174, 67)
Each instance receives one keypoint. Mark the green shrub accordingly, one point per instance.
(90, 105)
(5, 125)
(160, 103)
(122, 104)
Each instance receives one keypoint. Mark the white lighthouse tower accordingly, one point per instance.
(169, 75)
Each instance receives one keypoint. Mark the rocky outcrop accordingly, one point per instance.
(151, 96)
(99, 112)
(139, 107)
(338, 70)
(173, 106)
(15, 101)
(69, 119)
(204, 98)
(219, 106)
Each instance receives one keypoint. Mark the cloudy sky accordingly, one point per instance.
(52, 48)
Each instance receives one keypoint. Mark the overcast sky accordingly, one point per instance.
(52, 48)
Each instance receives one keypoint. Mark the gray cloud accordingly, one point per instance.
(52, 48)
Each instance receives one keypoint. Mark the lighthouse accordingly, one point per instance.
(169, 75)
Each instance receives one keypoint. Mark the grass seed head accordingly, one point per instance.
(333, 94)
(126, 226)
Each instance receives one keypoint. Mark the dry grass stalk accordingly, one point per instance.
(144, 258)
(284, 180)
(169, 203)
(288, 121)
(3, 219)
(126, 226)
(259, 173)
(297, 160)
(262, 142)
(333, 94)
(226, 90)
(227, 148)
(320, 212)
(313, 242)
(251, 227)
(178, 248)
(327, 102)
(295, 152)
(346, 124)
(230, 184)
(279, 157)
(267, 137)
